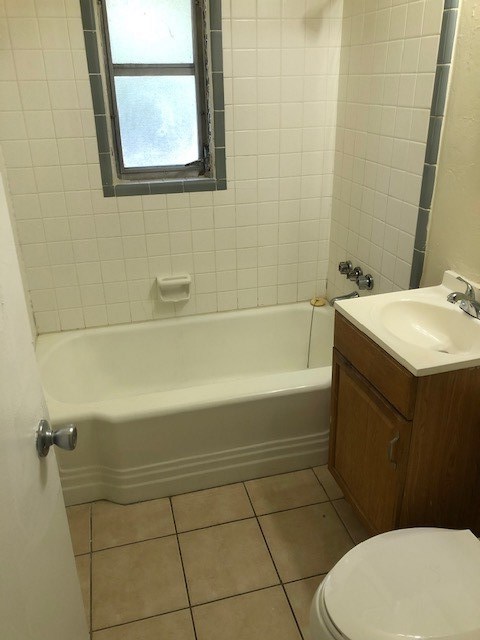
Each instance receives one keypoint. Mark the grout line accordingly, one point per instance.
(292, 611)
(176, 533)
(183, 569)
(236, 595)
(343, 523)
(202, 604)
(211, 526)
(316, 575)
(128, 544)
(274, 564)
(319, 482)
(156, 615)
(90, 535)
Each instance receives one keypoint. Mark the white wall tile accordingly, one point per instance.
(244, 247)
(386, 85)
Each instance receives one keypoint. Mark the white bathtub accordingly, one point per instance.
(176, 405)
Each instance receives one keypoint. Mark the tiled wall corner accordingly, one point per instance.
(437, 113)
(92, 260)
(387, 78)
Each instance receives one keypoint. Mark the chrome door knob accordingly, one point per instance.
(65, 437)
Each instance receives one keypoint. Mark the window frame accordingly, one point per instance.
(184, 180)
(197, 69)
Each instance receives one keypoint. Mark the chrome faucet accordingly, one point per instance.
(467, 300)
(347, 296)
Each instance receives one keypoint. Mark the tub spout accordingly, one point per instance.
(347, 296)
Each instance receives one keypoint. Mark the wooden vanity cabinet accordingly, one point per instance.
(404, 450)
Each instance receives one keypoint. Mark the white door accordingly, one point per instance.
(40, 595)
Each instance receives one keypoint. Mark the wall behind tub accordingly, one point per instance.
(387, 69)
(92, 260)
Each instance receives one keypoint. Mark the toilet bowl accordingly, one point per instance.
(419, 583)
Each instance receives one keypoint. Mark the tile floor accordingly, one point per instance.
(238, 562)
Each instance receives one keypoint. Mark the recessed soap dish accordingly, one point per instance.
(174, 288)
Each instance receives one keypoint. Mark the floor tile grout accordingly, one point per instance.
(274, 564)
(343, 523)
(237, 595)
(183, 569)
(155, 615)
(315, 575)
(210, 526)
(177, 534)
(91, 571)
(129, 544)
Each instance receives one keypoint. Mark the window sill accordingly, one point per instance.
(163, 186)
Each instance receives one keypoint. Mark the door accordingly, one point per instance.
(370, 443)
(40, 595)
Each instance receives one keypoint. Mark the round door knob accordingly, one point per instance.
(65, 437)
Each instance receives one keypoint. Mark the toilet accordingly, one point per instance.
(419, 583)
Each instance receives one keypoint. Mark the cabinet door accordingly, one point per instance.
(368, 447)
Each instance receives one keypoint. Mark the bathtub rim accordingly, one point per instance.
(46, 342)
(188, 398)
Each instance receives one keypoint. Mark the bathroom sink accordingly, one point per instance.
(445, 329)
(420, 328)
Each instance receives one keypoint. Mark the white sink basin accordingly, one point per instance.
(445, 329)
(419, 328)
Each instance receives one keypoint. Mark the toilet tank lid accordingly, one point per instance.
(413, 583)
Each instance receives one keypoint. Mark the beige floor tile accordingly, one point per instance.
(354, 525)
(210, 507)
(328, 482)
(305, 541)
(116, 524)
(226, 560)
(137, 581)
(262, 615)
(79, 523)
(170, 626)
(300, 595)
(83, 571)
(285, 491)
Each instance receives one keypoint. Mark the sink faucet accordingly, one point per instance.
(347, 296)
(467, 300)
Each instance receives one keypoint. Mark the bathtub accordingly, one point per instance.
(188, 403)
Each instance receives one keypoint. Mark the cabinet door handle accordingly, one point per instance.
(391, 449)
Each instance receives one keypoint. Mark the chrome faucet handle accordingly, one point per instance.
(472, 307)
(469, 293)
(365, 282)
(345, 267)
(354, 274)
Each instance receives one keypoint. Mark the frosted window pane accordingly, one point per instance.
(158, 120)
(150, 31)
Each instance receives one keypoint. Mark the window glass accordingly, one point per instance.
(158, 120)
(158, 100)
(150, 31)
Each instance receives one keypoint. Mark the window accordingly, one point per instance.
(157, 90)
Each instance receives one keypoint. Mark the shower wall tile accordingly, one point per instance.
(92, 260)
(387, 72)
